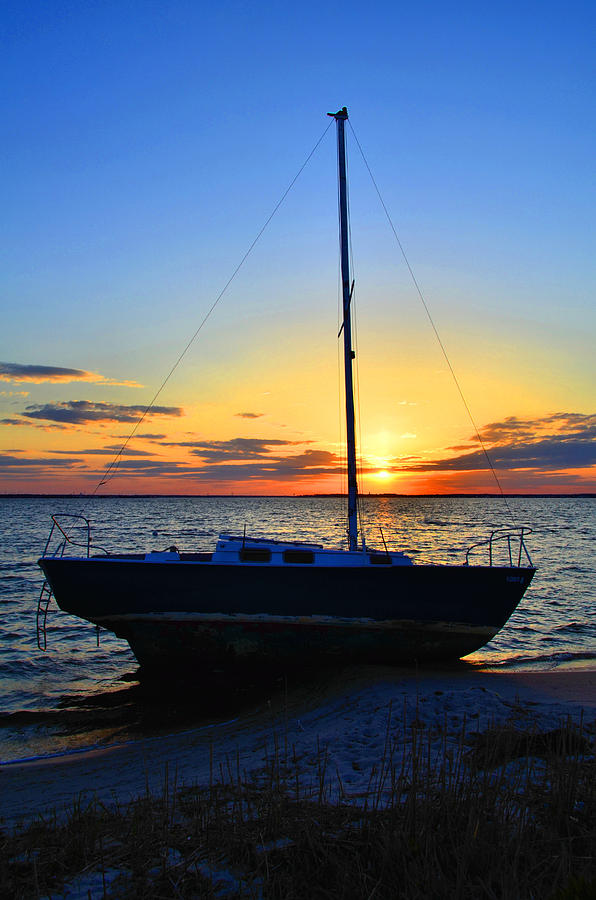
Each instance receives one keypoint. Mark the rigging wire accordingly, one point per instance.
(112, 469)
(434, 327)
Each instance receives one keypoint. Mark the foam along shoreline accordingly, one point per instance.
(351, 718)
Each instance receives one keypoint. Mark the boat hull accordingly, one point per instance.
(201, 615)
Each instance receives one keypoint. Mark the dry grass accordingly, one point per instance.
(512, 817)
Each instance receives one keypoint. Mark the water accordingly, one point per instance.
(78, 694)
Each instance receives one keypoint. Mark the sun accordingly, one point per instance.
(379, 468)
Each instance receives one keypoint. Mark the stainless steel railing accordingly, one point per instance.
(58, 539)
(507, 540)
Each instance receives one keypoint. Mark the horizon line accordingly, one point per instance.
(486, 494)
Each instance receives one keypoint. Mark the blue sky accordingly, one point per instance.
(145, 143)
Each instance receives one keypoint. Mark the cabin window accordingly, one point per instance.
(380, 559)
(299, 556)
(255, 554)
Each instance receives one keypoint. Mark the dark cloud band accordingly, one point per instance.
(17, 372)
(80, 412)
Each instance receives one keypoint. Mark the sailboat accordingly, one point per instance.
(255, 602)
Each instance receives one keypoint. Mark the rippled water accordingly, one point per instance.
(95, 689)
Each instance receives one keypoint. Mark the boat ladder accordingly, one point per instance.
(42, 615)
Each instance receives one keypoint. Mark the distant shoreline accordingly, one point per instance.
(279, 496)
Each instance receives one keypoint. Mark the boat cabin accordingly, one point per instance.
(235, 551)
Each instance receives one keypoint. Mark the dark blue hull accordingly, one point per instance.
(200, 614)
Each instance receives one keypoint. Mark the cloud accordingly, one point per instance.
(310, 464)
(249, 415)
(17, 372)
(239, 448)
(106, 451)
(9, 462)
(523, 444)
(25, 423)
(544, 455)
(139, 436)
(235, 448)
(80, 412)
(514, 429)
(247, 460)
(536, 452)
(152, 467)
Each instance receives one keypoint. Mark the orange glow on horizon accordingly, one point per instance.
(418, 483)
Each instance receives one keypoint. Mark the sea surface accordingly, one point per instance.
(81, 693)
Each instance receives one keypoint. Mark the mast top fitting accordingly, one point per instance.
(340, 114)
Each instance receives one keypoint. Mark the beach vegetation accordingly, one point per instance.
(509, 815)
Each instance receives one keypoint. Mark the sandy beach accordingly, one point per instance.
(349, 717)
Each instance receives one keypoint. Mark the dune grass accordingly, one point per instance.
(506, 815)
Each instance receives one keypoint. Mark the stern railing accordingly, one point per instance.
(58, 533)
(510, 538)
(67, 538)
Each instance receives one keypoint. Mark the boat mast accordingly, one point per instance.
(340, 118)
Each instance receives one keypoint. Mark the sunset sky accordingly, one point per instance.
(145, 144)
